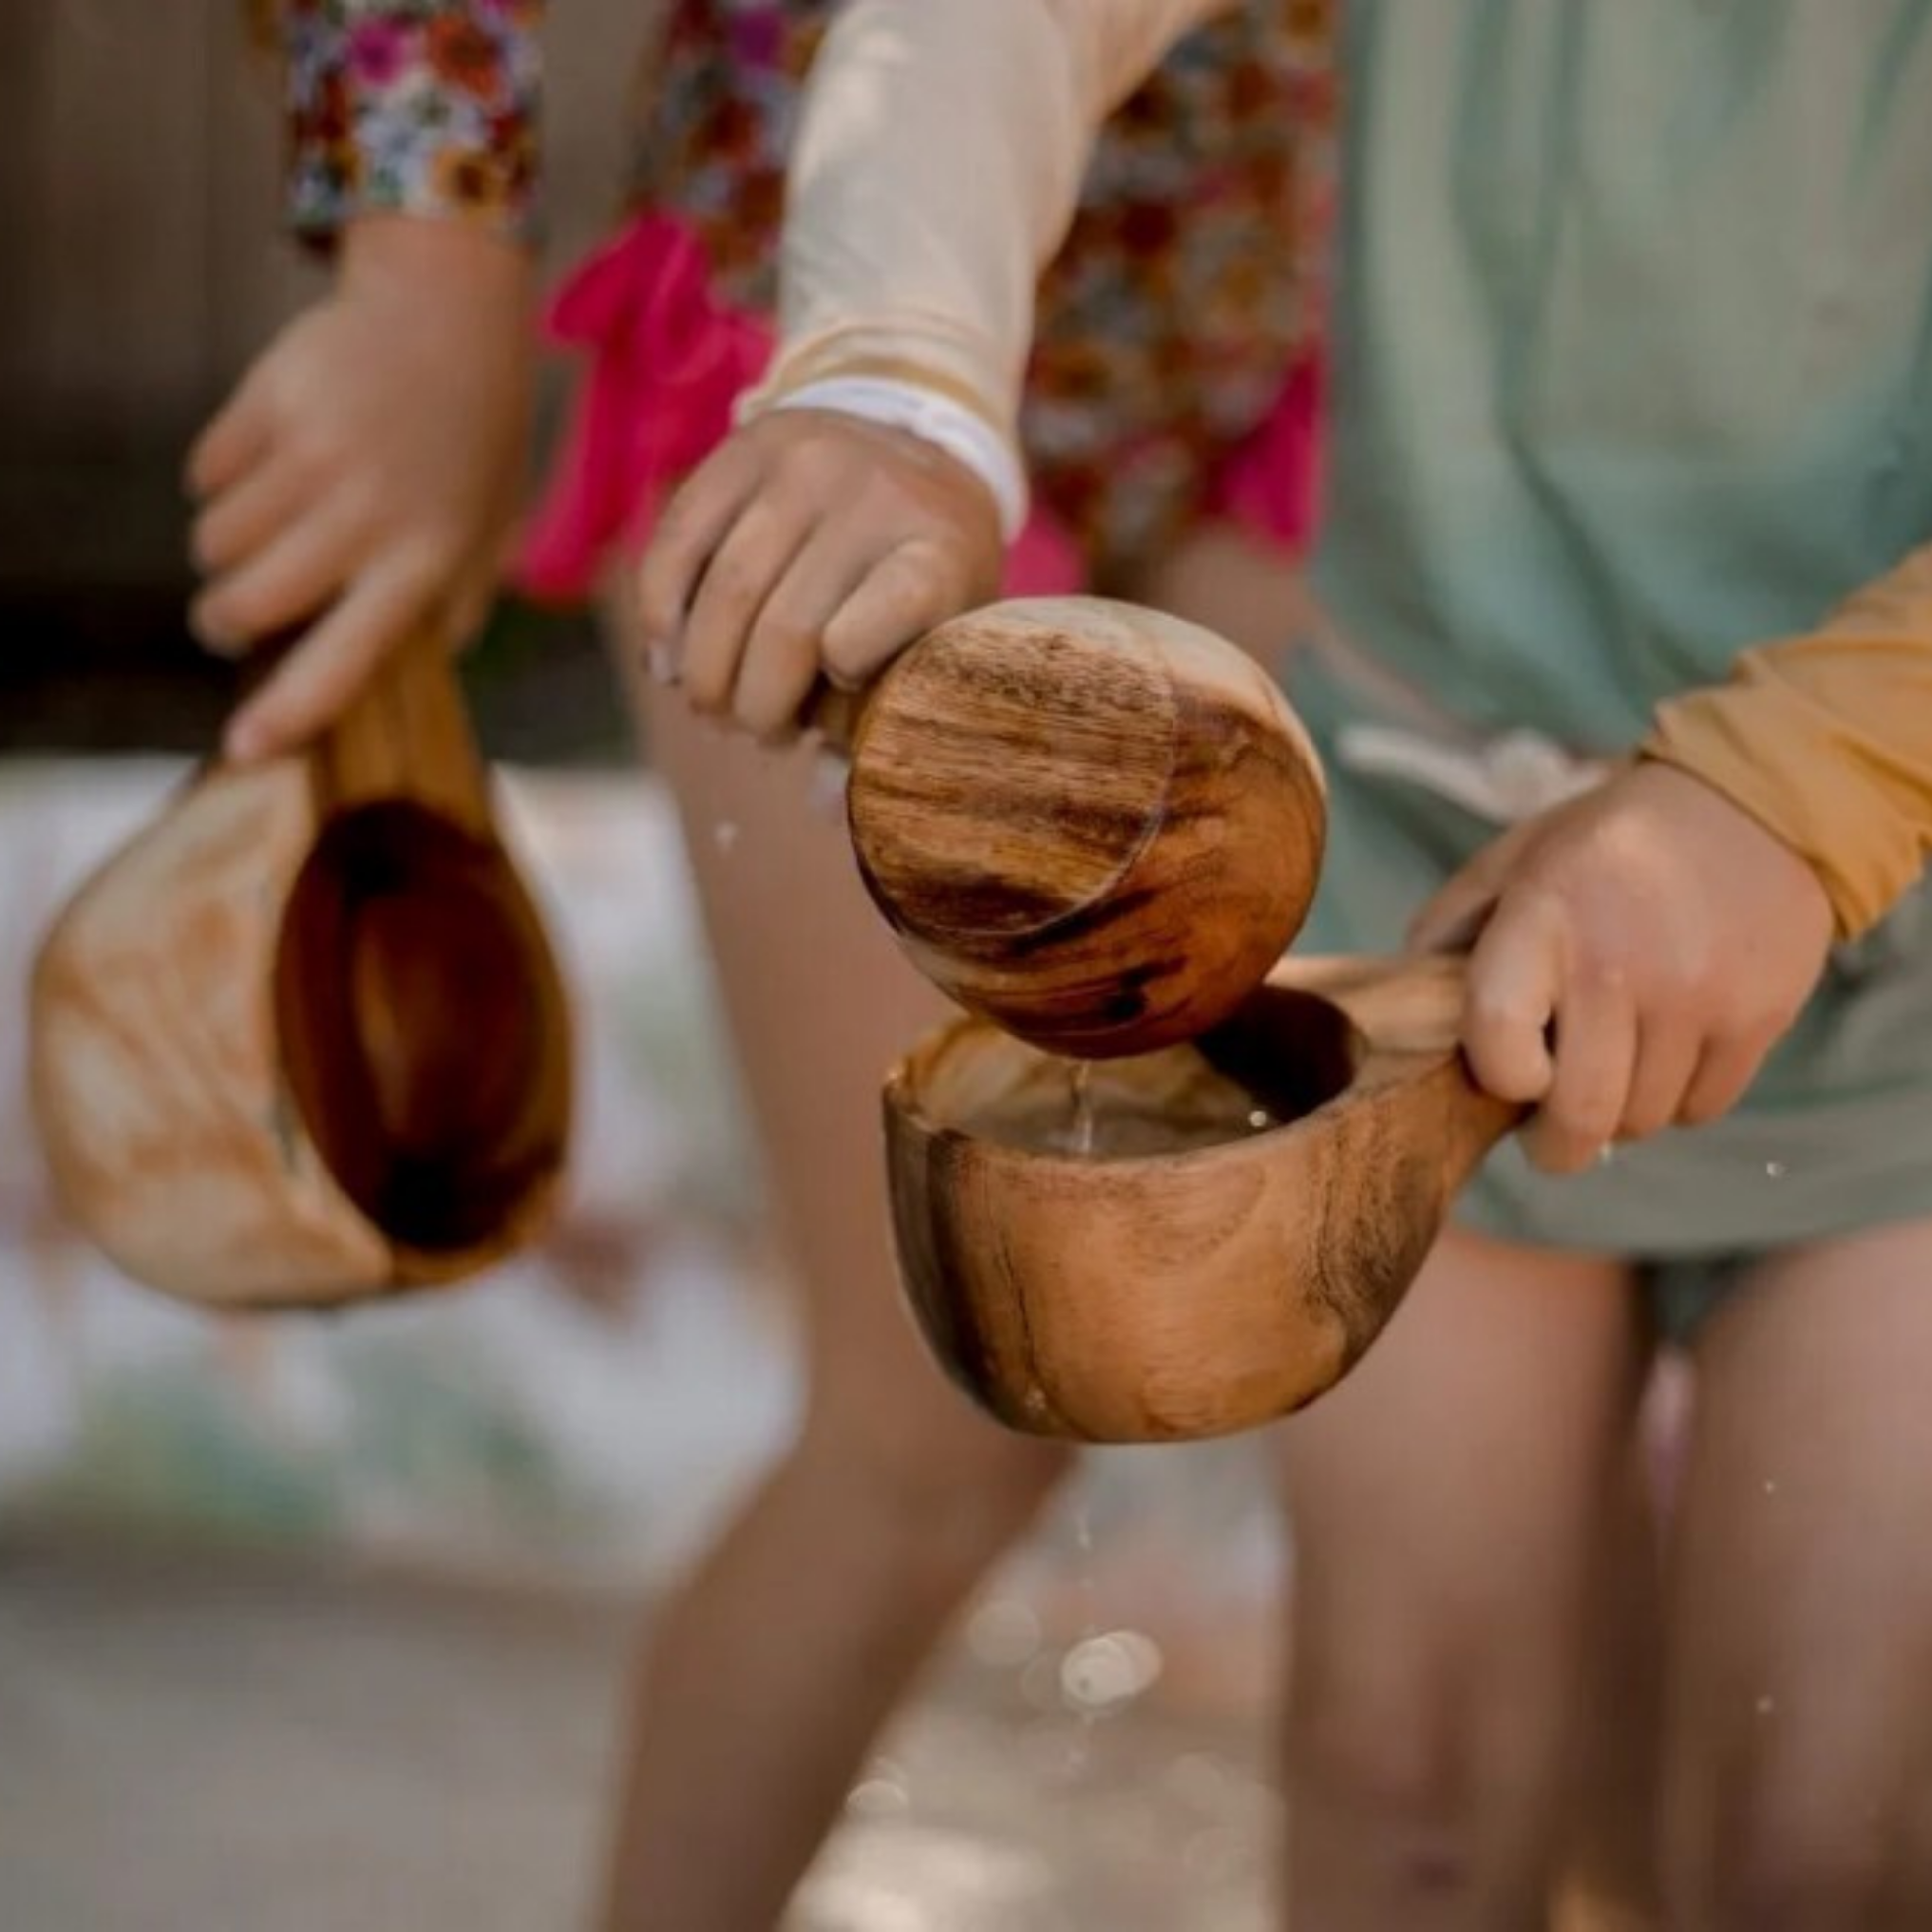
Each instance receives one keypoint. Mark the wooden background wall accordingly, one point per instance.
(141, 266)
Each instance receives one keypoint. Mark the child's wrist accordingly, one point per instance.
(1717, 781)
(962, 433)
(381, 250)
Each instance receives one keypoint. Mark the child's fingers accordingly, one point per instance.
(738, 582)
(692, 526)
(247, 514)
(1725, 1071)
(908, 592)
(1452, 919)
(781, 662)
(300, 572)
(1514, 978)
(472, 602)
(1590, 1086)
(230, 445)
(1666, 1062)
(330, 666)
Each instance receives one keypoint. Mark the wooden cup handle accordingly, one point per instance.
(407, 736)
(1412, 1004)
(404, 735)
(833, 713)
(1477, 1119)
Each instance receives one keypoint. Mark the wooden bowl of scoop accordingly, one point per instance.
(1202, 1239)
(304, 1039)
(1090, 822)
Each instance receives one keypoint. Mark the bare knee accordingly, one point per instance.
(1392, 1782)
(1777, 1851)
(1428, 1778)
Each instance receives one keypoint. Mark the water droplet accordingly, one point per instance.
(1770, 1487)
(1004, 1634)
(1775, 1171)
(830, 772)
(1105, 1671)
(1765, 1707)
(879, 1798)
(882, 1789)
(1082, 1138)
(1260, 1118)
(725, 834)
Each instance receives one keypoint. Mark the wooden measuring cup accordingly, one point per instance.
(1248, 1216)
(303, 1040)
(1095, 824)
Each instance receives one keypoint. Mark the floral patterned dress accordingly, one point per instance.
(1178, 366)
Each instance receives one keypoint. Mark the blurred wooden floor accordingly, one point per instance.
(194, 1741)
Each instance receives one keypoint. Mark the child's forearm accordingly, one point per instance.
(417, 108)
(936, 171)
(1826, 741)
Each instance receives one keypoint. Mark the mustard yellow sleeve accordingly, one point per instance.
(1826, 741)
(936, 171)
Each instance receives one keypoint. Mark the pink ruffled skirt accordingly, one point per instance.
(666, 361)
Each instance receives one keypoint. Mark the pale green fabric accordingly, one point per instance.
(1635, 369)
(1635, 343)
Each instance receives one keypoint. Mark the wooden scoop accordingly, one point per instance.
(1248, 1215)
(1092, 823)
(304, 1039)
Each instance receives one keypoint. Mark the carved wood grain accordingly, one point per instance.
(1093, 823)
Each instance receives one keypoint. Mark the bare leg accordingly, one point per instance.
(1451, 1508)
(1609, 1877)
(1254, 594)
(765, 1679)
(1799, 1744)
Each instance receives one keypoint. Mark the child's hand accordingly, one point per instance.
(1641, 950)
(811, 544)
(362, 478)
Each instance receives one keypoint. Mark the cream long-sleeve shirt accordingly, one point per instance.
(936, 172)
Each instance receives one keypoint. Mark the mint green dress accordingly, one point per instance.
(1634, 370)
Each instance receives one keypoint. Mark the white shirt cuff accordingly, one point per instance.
(948, 425)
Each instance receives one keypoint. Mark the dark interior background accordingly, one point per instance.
(139, 153)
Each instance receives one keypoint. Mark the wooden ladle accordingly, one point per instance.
(1221, 1236)
(1097, 825)
(304, 1039)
